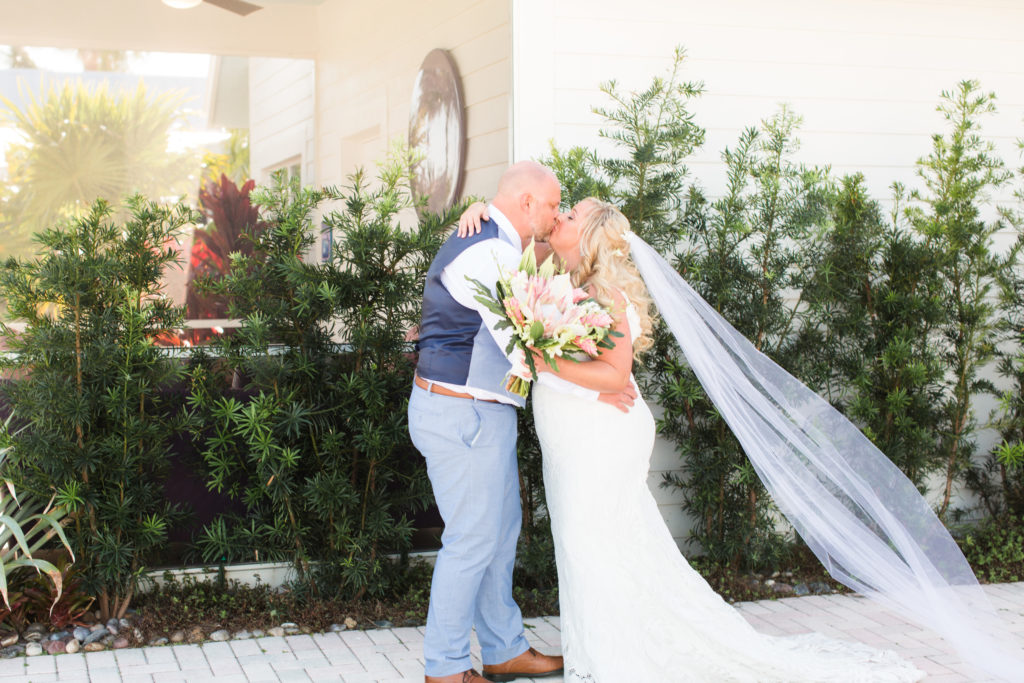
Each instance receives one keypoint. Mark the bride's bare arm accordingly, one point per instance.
(610, 371)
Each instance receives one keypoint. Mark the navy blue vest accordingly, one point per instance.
(454, 346)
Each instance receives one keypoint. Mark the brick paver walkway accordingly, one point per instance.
(395, 655)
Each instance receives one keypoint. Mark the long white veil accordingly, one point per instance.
(859, 514)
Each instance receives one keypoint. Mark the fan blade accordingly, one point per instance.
(239, 7)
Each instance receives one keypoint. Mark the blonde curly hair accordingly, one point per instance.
(605, 266)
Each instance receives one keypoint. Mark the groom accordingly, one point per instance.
(464, 423)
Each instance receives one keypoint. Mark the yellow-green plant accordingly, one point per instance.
(79, 142)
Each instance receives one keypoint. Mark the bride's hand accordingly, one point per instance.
(469, 221)
(622, 400)
(539, 363)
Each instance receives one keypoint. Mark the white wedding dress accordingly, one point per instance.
(632, 609)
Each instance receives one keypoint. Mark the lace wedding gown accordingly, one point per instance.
(632, 609)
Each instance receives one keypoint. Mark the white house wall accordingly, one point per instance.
(281, 117)
(368, 57)
(865, 75)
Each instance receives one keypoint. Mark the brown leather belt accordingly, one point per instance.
(445, 391)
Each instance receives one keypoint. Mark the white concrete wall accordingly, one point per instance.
(368, 57)
(865, 75)
(281, 117)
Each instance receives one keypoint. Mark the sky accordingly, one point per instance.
(142, 63)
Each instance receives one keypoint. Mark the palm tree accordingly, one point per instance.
(79, 143)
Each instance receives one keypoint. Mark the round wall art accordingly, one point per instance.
(437, 132)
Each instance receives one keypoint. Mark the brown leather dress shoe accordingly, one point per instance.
(530, 664)
(470, 676)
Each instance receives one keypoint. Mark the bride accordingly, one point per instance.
(632, 609)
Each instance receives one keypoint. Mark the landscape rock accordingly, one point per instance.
(335, 628)
(220, 635)
(820, 588)
(241, 635)
(276, 631)
(801, 590)
(178, 637)
(258, 633)
(54, 647)
(124, 623)
(9, 640)
(782, 589)
(81, 632)
(121, 643)
(35, 632)
(73, 646)
(350, 622)
(750, 582)
(95, 636)
(60, 635)
(33, 649)
(195, 635)
(113, 626)
(159, 641)
(12, 651)
(383, 623)
(94, 647)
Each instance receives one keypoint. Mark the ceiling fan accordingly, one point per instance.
(239, 7)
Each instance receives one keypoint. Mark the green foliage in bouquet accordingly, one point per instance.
(90, 386)
(318, 451)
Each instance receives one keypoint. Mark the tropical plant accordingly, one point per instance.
(233, 162)
(92, 389)
(25, 527)
(230, 217)
(79, 142)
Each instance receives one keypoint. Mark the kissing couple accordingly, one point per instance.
(632, 609)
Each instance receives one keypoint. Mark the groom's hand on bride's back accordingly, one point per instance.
(623, 400)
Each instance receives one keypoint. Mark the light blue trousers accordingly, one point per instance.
(470, 449)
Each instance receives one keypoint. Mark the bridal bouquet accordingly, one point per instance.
(547, 314)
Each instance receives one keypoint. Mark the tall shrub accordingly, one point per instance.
(958, 175)
(999, 480)
(744, 259)
(318, 451)
(872, 307)
(97, 424)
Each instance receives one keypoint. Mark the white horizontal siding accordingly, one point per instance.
(368, 57)
(865, 76)
(281, 111)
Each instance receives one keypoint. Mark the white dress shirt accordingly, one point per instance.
(484, 261)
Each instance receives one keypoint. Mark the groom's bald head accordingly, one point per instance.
(529, 195)
(524, 176)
